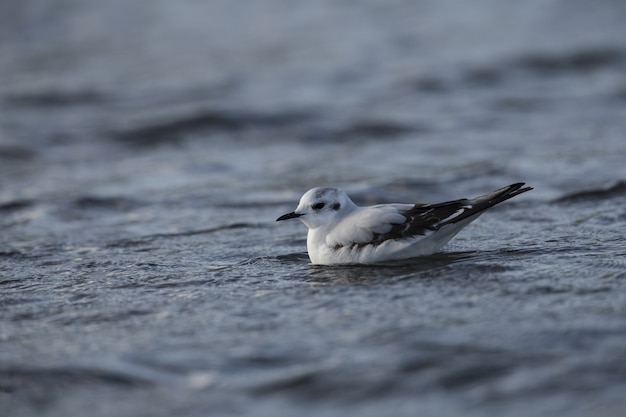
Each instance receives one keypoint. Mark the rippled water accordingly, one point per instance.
(146, 149)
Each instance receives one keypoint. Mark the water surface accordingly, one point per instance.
(146, 150)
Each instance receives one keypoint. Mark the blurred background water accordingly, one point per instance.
(146, 148)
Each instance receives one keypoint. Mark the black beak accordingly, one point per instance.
(292, 215)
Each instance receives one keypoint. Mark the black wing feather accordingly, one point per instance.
(424, 218)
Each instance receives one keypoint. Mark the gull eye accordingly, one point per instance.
(319, 206)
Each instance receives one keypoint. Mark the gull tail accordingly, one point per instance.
(482, 203)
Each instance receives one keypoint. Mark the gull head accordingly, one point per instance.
(320, 206)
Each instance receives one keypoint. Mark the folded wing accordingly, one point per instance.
(377, 224)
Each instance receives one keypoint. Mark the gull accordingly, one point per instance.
(340, 232)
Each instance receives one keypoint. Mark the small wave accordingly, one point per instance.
(295, 381)
(473, 374)
(297, 257)
(210, 230)
(158, 131)
(19, 212)
(107, 203)
(88, 206)
(542, 64)
(15, 205)
(21, 378)
(373, 128)
(16, 153)
(360, 129)
(148, 238)
(584, 60)
(47, 99)
(616, 189)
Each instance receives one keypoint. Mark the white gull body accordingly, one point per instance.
(340, 232)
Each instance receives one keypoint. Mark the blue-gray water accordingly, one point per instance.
(147, 147)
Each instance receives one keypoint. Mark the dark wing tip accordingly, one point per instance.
(509, 191)
(477, 205)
